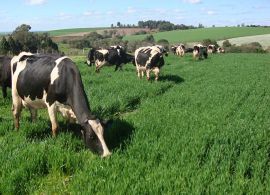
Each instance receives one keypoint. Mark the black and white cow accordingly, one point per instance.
(211, 49)
(54, 82)
(115, 55)
(149, 59)
(180, 50)
(173, 49)
(220, 50)
(5, 74)
(200, 51)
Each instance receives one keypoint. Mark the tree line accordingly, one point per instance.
(161, 25)
(21, 39)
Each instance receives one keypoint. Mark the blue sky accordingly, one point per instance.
(58, 14)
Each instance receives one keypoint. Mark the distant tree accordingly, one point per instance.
(213, 26)
(226, 43)
(200, 25)
(164, 42)
(111, 25)
(14, 46)
(118, 24)
(4, 46)
(207, 42)
(149, 38)
(243, 25)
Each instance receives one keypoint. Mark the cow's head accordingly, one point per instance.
(93, 135)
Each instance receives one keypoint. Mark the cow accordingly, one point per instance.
(5, 74)
(180, 50)
(149, 59)
(211, 49)
(173, 49)
(54, 82)
(189, 50)
(199, 51)
(111, 56)
(220, 50)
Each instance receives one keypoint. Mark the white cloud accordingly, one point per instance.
(193, 1)
(35, 2)
(210, 12)
(131, 10)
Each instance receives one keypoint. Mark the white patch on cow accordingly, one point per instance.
(103, 51)
(88, 62)
(55, 72)
(66, 112)
(98, 129)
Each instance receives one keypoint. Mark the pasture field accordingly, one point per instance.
(193, 35)
(204, 128)
(61, 32)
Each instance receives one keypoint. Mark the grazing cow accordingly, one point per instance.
(189, 50)
(200, 51)
(220, 50)
(211, 49)
(180, 50)
(54, 82)
(149, 59)
(173, 49)
(114, 55)
(5, 74)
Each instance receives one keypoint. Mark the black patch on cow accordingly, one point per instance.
(5, 74)
(35, 78)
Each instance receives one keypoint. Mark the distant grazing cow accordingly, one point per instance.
(180, 50)
(173, 49)
(149, 59)
(200, 51)
(5, 74)
(54, 82)
(220, 50)
(189, 50)
(114, 55)
(211, 49)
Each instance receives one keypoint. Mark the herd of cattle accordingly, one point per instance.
(54, 82)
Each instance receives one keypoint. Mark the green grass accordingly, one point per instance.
(193, 35)
(204, 128)
(72, 30)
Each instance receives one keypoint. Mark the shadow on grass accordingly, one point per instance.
(172, 78)
(118, 134)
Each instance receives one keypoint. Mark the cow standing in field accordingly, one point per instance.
(149, 59)
(54, 82)
(180, 50)
(220, 50)
(5, 74)
(173, 49)
(200, 51)
(211, 49)
(115, 55)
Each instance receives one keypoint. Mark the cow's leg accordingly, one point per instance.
(53, 117)
(16, 110)
(156, 71)
(4, 91)
(148, 74)
(138, 72)
(33, 113)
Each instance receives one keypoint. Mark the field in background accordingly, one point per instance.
(76, 31)
(264, 40)
(193, 35)
(204, 128)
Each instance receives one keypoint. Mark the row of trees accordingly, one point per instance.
(21, 39)
(161, 25)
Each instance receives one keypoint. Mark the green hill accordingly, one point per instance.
(217, 33)
(73, 30)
